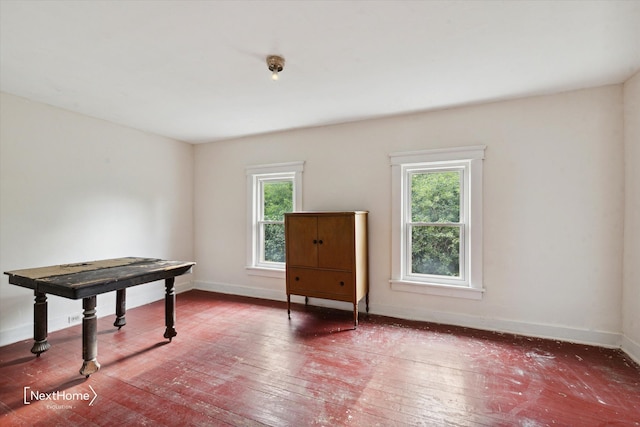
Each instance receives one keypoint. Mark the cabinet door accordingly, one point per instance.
(335, 242)
(302, 248)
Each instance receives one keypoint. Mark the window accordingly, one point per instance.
(272, 190)
(437, 222)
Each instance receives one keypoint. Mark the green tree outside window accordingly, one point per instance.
(435, 223)
(278, 199)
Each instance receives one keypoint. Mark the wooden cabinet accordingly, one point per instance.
(327, 256)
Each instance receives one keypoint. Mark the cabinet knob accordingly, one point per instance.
(341, 283)
(320, 241)
(297, 278)
(315, 241)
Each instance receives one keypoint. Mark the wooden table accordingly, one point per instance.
(86, 280)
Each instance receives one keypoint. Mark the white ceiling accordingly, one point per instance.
(195, 70)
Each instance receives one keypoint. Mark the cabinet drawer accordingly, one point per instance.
(302, 281)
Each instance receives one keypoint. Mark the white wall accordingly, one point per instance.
(72, 189)
(553, 213)
(631, 289)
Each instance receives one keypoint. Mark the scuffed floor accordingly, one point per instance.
(240, 361)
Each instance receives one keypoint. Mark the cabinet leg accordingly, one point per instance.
(355, 315)
(306, 300)
(289, 305)
(121, 308)
(366, 299)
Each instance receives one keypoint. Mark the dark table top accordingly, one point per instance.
(85, 279)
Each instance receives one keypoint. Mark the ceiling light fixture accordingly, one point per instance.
(275, 64)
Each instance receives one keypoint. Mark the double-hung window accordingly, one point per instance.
(272, 190)
(437, 221)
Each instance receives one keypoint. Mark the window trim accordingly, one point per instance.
(402, 164)
(256, 176)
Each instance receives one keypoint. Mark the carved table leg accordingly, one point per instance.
(40, 344)
(89, 337)
(121, 308)
(170, 309)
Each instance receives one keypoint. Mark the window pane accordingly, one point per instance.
(278, 199)
(273, 242)
(435, 250)
(435, 197)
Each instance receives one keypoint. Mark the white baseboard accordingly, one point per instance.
(183, 287)
(20, 333)
(57, 321)
(561, 333)
(245, 291)
(631, 348)
(599, 338)
(270, 294)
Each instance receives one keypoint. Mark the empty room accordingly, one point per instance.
(296, 213)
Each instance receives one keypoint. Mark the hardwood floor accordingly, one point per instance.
(240, 361)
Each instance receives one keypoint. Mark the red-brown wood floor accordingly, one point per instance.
(240, 361)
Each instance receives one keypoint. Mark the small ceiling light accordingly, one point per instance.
(275, 64)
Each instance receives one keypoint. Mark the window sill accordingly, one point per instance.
(433, 289)
(266, 272)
